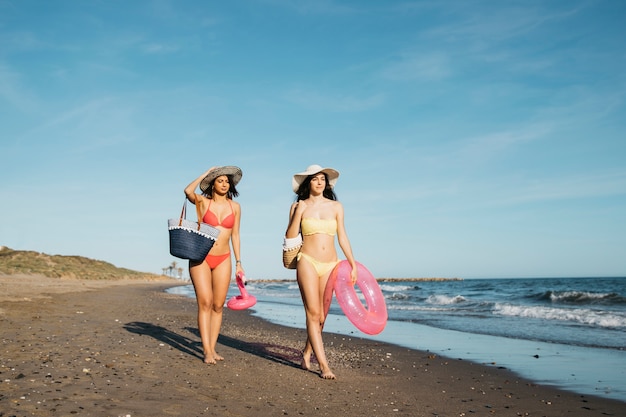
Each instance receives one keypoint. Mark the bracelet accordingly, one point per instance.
(238, 262)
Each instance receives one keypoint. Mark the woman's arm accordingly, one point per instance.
(344, 242)
(295, 217)
(235, 237)
(190, 190)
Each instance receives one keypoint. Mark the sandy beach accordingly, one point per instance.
(74, 347)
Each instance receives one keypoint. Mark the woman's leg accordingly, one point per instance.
(308, 348)
(221, 281)
(201, 278)
(312, 298)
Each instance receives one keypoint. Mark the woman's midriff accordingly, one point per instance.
(320, 247)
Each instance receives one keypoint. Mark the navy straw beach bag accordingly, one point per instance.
(190, 240)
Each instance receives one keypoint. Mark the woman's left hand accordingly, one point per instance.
(243, 274)
(354, 275)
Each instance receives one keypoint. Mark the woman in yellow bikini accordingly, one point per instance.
(211, 277)
(317, 217)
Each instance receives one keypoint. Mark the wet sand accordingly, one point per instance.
(127, 348)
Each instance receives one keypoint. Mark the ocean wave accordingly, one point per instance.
(396, 288)
(582, 316)
(445, 299)
(416, 308)
(398, 296)
(582, 297)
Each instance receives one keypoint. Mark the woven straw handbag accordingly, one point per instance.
(291, 248)
(191, 240)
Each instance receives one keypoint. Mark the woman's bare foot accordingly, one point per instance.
(306, 361)
(218, 357)
(209, 359)
(328, 375)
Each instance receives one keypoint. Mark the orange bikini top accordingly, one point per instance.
(210, 218)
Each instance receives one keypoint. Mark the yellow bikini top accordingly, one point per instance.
(311, 226)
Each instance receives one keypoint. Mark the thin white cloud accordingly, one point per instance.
(19, 41)
(496, 24)
(584, 104)
(498, 40)
(315, 7)
(99, 123)
(490, 145)
(335, 103)
(418, 66)
(160, 48)
(13, 91)
(581, 186)
(458, 194)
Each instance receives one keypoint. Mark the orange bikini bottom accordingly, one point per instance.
(214, 260)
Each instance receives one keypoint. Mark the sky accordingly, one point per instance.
(475, 139)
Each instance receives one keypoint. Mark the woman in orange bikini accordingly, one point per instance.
(211, 277)
(317, 217)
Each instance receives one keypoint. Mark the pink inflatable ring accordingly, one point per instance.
(370, 320)
(243, 301)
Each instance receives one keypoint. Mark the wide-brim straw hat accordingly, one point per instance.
(233, 171)
(332, 174)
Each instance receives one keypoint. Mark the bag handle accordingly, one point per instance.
(183, 214)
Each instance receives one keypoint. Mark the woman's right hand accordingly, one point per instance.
(300, 207)
(295, 216)
(207, 172)
(191, 188)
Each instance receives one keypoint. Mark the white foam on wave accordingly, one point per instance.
(399, 307)
(445, 299)
(397, 296)
(583, 315)
(396, 288)
(577, 296)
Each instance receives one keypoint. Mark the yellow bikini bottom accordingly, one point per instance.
(320, 267)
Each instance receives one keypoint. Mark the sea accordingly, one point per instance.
(564, 332)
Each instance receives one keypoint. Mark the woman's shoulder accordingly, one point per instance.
(202, 198)
(335, 207)
(338, 208)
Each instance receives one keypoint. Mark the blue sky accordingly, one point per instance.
(474, 138)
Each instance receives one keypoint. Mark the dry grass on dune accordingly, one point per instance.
(15, 262)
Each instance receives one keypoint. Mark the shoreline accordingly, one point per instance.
(129, 348)
(582, 369)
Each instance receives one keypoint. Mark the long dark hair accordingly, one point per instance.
(305, 189)
(232, 190)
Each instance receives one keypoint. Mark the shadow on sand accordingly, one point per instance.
(280, 354)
